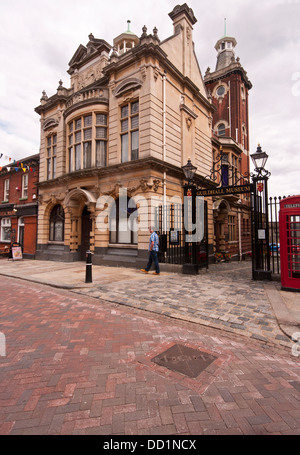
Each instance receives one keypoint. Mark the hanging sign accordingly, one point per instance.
(261, 234)
(238, 189)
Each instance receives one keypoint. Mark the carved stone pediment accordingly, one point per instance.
(129, 84)
(50, 123)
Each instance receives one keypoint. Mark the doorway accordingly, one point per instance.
(86, 227)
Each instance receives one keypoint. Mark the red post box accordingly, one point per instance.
(289, 233)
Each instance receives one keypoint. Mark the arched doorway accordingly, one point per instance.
(86, 227)
(221, 209)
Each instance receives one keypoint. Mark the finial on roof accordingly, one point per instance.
(128, 25)
(225, 31)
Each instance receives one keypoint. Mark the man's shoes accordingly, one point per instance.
(143, 270)
(155, 273)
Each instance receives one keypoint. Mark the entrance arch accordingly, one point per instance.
(81, 204)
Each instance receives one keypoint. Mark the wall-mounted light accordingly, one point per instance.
(17, 188)
(34, 196)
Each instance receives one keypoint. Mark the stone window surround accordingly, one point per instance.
(93, 140)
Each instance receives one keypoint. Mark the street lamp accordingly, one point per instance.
(190, 265)
(260, 217)
(259, 159)
(189, 170)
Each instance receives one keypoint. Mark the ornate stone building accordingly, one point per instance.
(113, 144)
(133, 115)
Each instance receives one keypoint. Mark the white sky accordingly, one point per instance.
(38, 39)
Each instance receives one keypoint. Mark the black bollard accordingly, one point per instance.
(88, 269)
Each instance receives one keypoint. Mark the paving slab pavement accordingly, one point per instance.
(76, 365)
(224, 297)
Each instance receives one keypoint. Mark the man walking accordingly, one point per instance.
(153, 250)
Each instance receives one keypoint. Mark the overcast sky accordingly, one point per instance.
(39, 37)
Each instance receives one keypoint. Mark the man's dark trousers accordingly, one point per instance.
(153, 258)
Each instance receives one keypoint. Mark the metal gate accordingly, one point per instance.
(275, 263)
(183, 234)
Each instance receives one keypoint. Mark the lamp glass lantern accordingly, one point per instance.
(259, 158)
(189, 170)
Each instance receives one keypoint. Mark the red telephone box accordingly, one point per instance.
(289, 232)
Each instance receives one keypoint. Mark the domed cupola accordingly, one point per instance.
(126, 41)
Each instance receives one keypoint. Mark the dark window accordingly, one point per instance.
(130, 132)
(57, 224)
(221, 129)
(123, 222)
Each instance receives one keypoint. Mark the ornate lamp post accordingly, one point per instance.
(259, 159)
(190, 265)
(189, 171)
(260, 217)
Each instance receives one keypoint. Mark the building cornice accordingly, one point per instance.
(225, 72)
(117, 169)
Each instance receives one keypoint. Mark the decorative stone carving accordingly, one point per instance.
(143, 72)
(188, 122)
(155, 73)
(50, 123)
(188, 35)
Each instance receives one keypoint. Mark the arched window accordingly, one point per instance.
(57, 224)
(221, 129)
(123, 222)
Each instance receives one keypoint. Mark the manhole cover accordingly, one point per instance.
(185, 360)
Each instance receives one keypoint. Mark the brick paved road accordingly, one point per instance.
(78, 365)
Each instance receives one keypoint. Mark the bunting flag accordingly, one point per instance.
(17, 167)
(5, 157)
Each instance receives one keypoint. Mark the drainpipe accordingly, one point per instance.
(229, 107)
(164, 77)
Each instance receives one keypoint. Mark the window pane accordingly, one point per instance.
(135, 122)
(124, 148)
(71, 127)
(58, 231)
(135, 107)
(78, 124)
(77, 157)
(101, 119)
(101, 133)
(88, 120)
(221, 130)
(54, 150)
(78, 136)
(54, 139)
(5, 229)
(101, 153)
(48, 170)
(71, 159)
(124, 111)
(134, 145)
(124, 125)
(87, 155)
(53, 168)
(88, 134)
(71, 139)
(49, 141)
